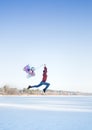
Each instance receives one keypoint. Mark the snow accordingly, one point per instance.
(46, 113)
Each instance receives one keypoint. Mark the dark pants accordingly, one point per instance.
(40, 84)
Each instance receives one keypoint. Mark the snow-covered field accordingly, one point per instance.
(46, 113)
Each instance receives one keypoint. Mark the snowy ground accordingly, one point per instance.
(46, 113)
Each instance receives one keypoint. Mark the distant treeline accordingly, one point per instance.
(7, 90)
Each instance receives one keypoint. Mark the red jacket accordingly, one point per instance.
(44, 74)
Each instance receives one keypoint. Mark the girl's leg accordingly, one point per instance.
(47, 85)
(36, 86)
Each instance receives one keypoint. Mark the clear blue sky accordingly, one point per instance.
(55, 32)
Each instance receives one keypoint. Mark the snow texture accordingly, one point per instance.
(46, 113)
